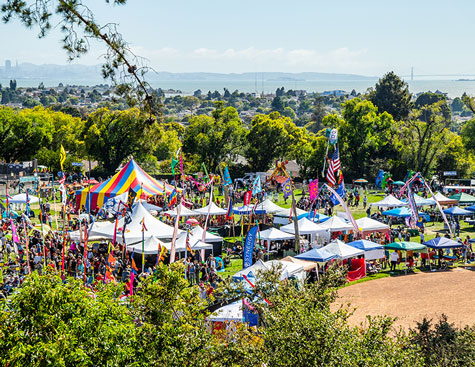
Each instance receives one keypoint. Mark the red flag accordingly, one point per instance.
(111, 260)
(247, 197)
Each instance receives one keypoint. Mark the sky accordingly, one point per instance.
(361, 37)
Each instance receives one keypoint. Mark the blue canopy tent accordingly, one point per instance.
(455, 210)
(314, 217)
(317, 255)
(471, 208)
(404, 213)
(372, 250)
(442, 242)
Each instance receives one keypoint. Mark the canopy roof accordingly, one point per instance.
(335, 224)
(184, 212)
(214, 210)
(420, 201)
(231, 312)
(442, 242)
(274, 234)
(307, 265)
(269, 207)
(365, 245)
(210, 237)
(316, 217)
(342, 250)
(471, 208)
(399, 212)
(286, 212)
(133, 231)
(406, 246)
(388, 202)
(463, 198)
(194, 242)
(131, 176)
(151, 246)
(371, 225)
(305, 227)
(318, 255)
(21, 199)
(287, 269)
(444, 200)
(455, 210)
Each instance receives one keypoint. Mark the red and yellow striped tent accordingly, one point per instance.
(131, 176)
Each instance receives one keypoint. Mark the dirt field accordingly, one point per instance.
(413, 296)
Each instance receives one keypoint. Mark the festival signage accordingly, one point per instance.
(249, 247)
(450, 173)
(76, 164)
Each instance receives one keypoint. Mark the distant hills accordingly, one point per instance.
(92, 75)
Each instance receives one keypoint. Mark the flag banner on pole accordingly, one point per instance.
(256, 186)
(206, 176)
(247, 197)
(287, 188)
(333, 167)
(229, 212)
(249, 246)
(227, 177)
(340, 191)
(343, 204)
(131, 198)
(413, 206)
(313, 189)
(173, 164)
(62, 157)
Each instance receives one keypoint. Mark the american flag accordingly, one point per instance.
(333, 167)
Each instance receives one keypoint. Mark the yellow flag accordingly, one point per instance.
(62, 157)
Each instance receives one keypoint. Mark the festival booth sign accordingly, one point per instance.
(456, 211)
(444, 200)
(133, 230)
(214, 210)
(442, 242)
(463, 198)
(372, 250)
(130, 177)
(184, 212)
(369, 225)
(388, 202)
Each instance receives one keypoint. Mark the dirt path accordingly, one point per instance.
(413, 296)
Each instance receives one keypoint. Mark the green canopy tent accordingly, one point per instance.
(406, 246)
(463, 198)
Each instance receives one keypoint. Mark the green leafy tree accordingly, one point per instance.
(427, 99)
(113, 136)
(457, 104)
(215, 138)
(391, 95)
(277, 104)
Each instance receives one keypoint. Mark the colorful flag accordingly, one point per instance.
(256, 186)
(131, 198)
(249, 247)
(62, 157)
(247, 197)
(333, 167)
(340, 191)
(111, 260)
(227, 177)
(313, 189)
(173, 164)
(229, 213)
(173, 198)
(206, 176)
(287, 188)
(343, 204)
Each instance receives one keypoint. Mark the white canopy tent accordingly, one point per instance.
(214, 210)
(336, 224)
(269, 207)
(210, 237)
(370, 225)
(133, 231)
(97, 232)
(286, 212)
(251, 271)
(21, 199)
(184, 212)
(274, 234)
(287, 269)
(444, 200)
(389, 202)
(305, 227)
(151, 246)
(342, 250)
(231, 312)
(195, 243)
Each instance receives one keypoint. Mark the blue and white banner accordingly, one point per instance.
(249, 247)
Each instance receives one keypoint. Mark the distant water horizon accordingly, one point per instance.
(453, 88)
